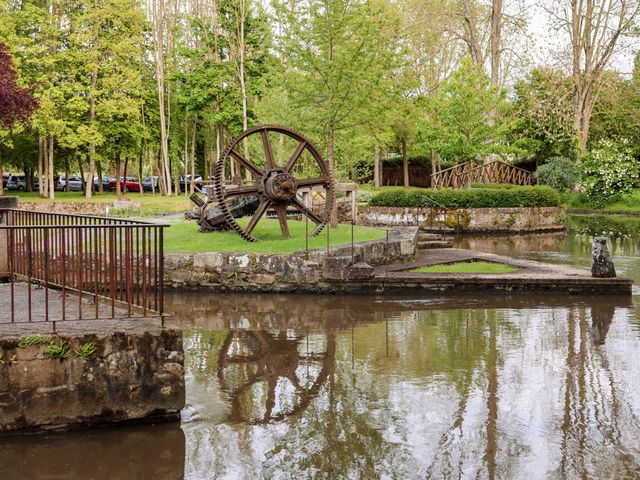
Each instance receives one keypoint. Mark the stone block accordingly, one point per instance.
(177, 260)
(263, 279)
(338, 267)
(9, 202)
(238, 262)
(360, 270)
(210, 260)
(270, 263)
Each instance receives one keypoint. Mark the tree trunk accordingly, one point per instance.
(100, 177)
(67, 173)
(405, 163)
(331, 161)
(193, 155)
(92, 109)
(84, 182)
(496, 38)
(124, 175)
(41, 181)
(52, 192)
(377, 170)
(118, 176)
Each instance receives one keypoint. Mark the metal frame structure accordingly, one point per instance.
(272, 186)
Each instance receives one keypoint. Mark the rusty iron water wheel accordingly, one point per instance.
(276, 186)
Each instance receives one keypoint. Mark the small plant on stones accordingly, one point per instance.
(34, 340)
(86, 350)
(60, 351)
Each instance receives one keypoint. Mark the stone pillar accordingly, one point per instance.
(5, 202)
(602, 266)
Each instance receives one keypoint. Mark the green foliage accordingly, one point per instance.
(86, 350)
(539, 196)
(60, 351)
(609, 172)
(604, 226)
(467, 117)
(34, 340)
(543, 111)
(494, 186)
(561, 173)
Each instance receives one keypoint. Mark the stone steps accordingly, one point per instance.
(423, 237)
(427, 244)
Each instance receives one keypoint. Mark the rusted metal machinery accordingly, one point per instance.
(262, 169)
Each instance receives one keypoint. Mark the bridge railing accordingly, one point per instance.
(464, 174)
(76, 267)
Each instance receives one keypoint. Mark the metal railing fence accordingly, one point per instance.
(102, 267)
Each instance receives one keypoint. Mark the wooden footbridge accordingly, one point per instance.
(464, 174)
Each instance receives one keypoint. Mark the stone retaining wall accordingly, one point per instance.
(521, 219)
(133, 376)
(80, 208)
(286, 273)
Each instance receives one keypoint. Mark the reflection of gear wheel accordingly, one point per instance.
(275, 185)
(274, 357)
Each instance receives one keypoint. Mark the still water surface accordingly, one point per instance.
(387, 387)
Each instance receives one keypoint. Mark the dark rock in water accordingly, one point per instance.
(602, 264)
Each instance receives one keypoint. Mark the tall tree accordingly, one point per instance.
(596, 29)
(457, 125)
(16, 103)
(341, 53)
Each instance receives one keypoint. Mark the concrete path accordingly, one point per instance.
(42, 321)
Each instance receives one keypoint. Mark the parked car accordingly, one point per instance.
(17, 182)
(105, 182)
(187, 184)
(150, 184)
(129, 185)
(75, 183)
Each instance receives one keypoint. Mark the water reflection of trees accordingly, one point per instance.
(431, 391)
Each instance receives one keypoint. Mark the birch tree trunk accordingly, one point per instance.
(52, 192)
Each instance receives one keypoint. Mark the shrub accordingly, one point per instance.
(560, 173)
(539, 196)
(609, 172)
(494, 186)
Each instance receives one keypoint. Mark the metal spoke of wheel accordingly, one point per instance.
(245, 190)
(306, 211)
(295, 156)
(311, 182)
(264, 204)
(268, 152)
(245, 163)
(281, 210)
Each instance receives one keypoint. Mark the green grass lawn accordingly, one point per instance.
(629, 204)
(467, 267)
(183, 237)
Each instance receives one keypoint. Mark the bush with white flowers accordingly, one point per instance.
(609, 171)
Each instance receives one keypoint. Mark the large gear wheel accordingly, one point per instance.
(272, 179)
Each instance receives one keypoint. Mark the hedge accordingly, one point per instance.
(538, 196)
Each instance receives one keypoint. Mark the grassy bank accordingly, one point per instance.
(467, 267)
(183, 237)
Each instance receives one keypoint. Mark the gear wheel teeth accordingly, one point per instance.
(218, 179)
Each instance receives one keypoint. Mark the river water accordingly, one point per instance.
(388, 387)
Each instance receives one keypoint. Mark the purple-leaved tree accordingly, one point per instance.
(16, 104)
